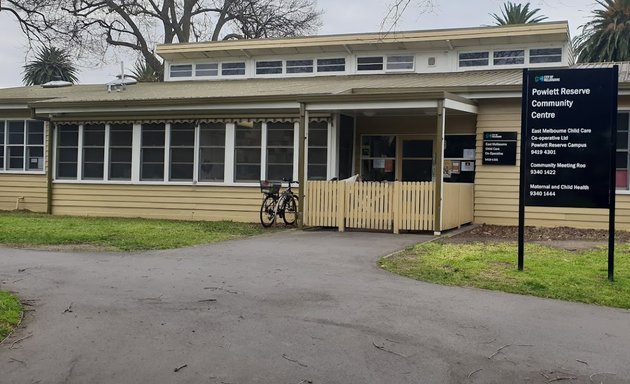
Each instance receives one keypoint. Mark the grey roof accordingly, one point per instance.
(624, 69)
(258, 88)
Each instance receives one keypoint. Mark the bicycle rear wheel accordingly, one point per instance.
(268, 211)
(290, 210)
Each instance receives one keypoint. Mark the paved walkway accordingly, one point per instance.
(292, 307)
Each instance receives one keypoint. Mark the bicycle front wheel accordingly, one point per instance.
(290, 210)
(268, 211)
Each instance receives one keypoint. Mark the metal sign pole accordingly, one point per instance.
(521, 194)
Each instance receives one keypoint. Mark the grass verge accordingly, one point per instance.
(30, 229)
(549, 272)
(10, 313)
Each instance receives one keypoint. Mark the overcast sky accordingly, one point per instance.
(340, 16)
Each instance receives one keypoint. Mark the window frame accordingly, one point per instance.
(495, 58)
(222, 70)
(289, 66)
(412, 62)
(626, 190)
(136, 160)
(317, 65)
(272, 64)
(4, 131)
(369, 64)
(529, 56)
(171, 72)
(465, 67)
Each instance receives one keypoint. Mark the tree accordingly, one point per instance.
(50, 64)
(607, 36)
(144, 73)
(513, 13)
(397, 8)
(91, 27)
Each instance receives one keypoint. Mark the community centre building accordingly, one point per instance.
(406, 111)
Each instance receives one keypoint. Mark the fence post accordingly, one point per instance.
(341, 206)
(397, 207)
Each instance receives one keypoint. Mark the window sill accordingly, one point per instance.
(156, 183)
(22, 172)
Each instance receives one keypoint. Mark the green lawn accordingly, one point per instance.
(29, 229)
(549, 272)
(10, 313)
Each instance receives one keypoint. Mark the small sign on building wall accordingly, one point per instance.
(499, 148)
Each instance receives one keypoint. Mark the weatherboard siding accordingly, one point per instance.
(22, 191)
(496, 186)
(26, 191)
(240, 204)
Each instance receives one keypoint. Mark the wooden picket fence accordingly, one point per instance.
(373, 206)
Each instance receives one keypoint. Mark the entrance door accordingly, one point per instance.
(417, 160)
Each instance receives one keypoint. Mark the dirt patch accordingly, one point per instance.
(66, 248)
(560, 237)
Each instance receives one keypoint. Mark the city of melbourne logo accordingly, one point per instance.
(546, 79)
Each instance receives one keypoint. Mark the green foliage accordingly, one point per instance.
(10, 313)
(50, 64)
(606, 37)
(549, 272)
(28, 229)
(143, 72)
(513, 13)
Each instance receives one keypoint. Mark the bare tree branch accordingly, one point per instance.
(90, 28)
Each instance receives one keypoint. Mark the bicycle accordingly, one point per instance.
(278, 204)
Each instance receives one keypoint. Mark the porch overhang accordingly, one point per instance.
(376, 100)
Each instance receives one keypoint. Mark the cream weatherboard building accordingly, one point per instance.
(406, 111)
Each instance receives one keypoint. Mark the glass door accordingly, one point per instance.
(417, 160)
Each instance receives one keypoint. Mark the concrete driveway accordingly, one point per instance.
(292, 307)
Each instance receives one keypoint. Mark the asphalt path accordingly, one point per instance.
(291, 307)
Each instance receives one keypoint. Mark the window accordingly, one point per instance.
(1, 145)
(512, 57)
(176, 152)
(202, 70)
(181, 70)
(331, 65)
(299, 66)
(622, 162)
(417, 160)
(370, 63)
(247, 151)
(93, 151)
(211, 152)
(545, 55)
(152, 152)
(67, 151)
(317, 150)
(34, 146)
(15, 145)
(280, 151)
(400, 63)
(474, 59)
(120, 151)
(378, 158)
(268, 67)
(182, 151)
(233, 69)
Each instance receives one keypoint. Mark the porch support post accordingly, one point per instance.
(301, 162)
(49, 164)
(439, 167)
